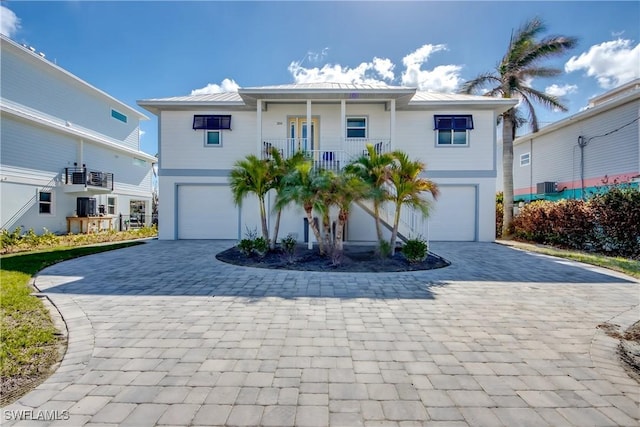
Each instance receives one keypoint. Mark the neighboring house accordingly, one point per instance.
(201, 136)
(582, 153)
(62, 139)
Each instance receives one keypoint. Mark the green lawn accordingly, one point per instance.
(622, 265)
(28, 344)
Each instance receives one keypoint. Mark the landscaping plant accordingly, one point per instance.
(415, 250)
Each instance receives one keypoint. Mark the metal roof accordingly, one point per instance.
(406, 97)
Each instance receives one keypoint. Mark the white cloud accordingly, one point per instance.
(9, 22)
(443, 78)
(227, 85)
(367, 72)
(612, 63)
(560, 91)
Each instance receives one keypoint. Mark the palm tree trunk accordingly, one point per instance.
(394, 233)
(342, 220)
(314, 228)
(263, 219)
(276, 229)
(326, 230)
(376, 214)
(507, 172)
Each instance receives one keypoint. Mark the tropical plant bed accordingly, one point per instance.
(355, 259)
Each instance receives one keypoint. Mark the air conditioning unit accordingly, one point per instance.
(546, 187)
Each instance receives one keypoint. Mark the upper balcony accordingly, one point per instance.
(327, 153)
(81, 180)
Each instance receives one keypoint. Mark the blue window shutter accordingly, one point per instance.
(212, 122)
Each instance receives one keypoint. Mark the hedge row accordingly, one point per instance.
(607, 223)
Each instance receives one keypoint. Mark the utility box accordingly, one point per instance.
(546, 187)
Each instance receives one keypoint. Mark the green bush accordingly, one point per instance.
(261, 246)
(383, 250)
(15, 241)
(499, 213)
(609, 222)
(288, 245)
(245, 246)
(415, 250)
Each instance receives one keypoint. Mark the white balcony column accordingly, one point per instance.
(259, 127)
(309, 124)
(392, 124)
(343, 122)
(309, 136)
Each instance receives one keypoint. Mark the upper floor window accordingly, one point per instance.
(356, 127)
(45, 202)
(211, 122)
(525, 159)
(118, 116)
(213, 138)
(453, 130)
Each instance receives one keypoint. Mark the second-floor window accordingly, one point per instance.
(118, 116)
(213, 138)
(452, 130)
(356, 127)
(525, 159)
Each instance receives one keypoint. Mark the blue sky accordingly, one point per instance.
(154, 49)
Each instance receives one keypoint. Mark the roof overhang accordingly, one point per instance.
(59, 126)
(582, 115)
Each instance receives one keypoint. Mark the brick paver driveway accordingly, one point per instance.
(165, 334)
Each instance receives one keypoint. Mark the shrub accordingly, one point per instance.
(245, 246)
(288, 245)
(415, 250)
(261, 246)
(383, 250)
(499, 213)
(608, 222)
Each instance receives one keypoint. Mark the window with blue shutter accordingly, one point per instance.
(453, 130)
(212, 122)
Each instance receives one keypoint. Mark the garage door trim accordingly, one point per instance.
(176, 207)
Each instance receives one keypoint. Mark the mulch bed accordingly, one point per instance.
(355, 259)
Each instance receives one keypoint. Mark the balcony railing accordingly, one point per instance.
(327, 153)
(88, 178)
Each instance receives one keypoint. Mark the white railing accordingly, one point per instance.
(347, 149)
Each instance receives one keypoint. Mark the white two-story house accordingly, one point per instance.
(67, 150)
(583, 153)
(201, 136)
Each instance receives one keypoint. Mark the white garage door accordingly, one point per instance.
(206, 212)
(453, 216)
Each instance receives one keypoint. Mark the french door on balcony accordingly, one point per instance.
(299, 135)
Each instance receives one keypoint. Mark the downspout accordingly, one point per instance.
(582, 143)
(531, 169)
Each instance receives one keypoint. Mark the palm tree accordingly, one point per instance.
(299, 186)
(278, 170)
(347, 188)
(373, 168)
(509, 80)
(252, 175)
(409, 188)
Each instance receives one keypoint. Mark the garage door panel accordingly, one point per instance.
(206, 212)
(453, 215)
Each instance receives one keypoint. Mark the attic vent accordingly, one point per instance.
(213, 122)
(546, 187)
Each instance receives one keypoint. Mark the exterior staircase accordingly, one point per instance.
(412, 224)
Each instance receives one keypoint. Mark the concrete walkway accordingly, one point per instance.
(164, 334)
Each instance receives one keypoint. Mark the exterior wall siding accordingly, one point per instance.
(30, 81)
(415, 135)
(556, 156)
